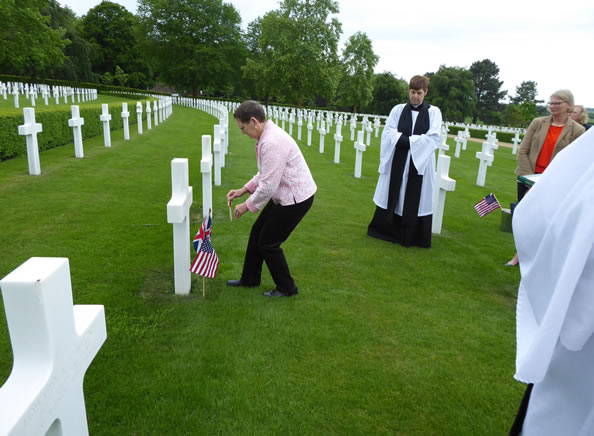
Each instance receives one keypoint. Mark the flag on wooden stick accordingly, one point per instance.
(487, 205)
(206, 262)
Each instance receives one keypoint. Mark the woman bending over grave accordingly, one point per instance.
(545, 137)
(404, 192)
(283, 188)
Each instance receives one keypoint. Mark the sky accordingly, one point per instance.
(543, 41)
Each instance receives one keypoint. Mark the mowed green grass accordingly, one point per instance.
(380, 340)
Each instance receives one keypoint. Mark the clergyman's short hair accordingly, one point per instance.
(248, 109)
(564, 95)
(419, 82)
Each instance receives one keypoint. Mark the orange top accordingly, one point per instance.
(544, 158)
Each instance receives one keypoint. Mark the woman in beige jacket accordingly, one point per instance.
(546, 136)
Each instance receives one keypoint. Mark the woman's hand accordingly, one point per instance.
(240, 209)
(235, 193)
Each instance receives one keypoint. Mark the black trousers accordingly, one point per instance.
(272, 227)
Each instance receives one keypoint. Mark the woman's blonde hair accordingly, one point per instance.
(564, 95)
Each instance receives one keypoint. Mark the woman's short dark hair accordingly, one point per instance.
(419, 82)
(249, 109)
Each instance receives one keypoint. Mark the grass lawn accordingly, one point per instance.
(380, 340)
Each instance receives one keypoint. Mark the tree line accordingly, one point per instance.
(197, 47)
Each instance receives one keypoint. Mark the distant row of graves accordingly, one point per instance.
(54, 343)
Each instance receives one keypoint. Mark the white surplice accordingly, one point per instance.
(554, 234)
(422, 149)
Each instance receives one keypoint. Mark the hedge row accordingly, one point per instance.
(482, 134)
(56, 131)
(97, 86)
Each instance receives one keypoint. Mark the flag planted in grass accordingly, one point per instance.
(206, 262)
(487, 205)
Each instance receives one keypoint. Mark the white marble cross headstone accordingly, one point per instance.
(206, 170)
(178, 214)
(299, 126)
(105, 117)
(337, 141)
(30, 129)
(291, 122)
(443, 183)
(216, 146)
(139, 116)
(156, 112)
(360, 148)
(53, 344)
(443, 146)
(369, 129)
(516, 141)
(15, 93)
(485, 158)
(148, 115)
(76, 122)
(353, 127)
(309, 129)
(322, 135)
(377, 124)
(459, 140)
(45, 95)
(125, 117)
(32, 96)
(3, 90)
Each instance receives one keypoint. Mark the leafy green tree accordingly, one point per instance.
(388, 91)
(452, 90)
(194, 44)
(526, 92)
(296, 54)
(523, 108)
(78, 53)
(358, 61)
(111, 30)
(487, 91)
(30, 46)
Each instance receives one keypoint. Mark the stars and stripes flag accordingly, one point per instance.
(206, 262)
(487, 205)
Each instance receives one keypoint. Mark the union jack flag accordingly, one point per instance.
(487, 205)
(206, 262)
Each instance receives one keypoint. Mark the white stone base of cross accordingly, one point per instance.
(53, 344)
(443, 184)
(309, 129)
(30, 129)
(299, 126)
(178, 214)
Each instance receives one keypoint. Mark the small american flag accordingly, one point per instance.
(487, 205)
(206, 263)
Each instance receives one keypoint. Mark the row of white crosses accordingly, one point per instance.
(53, 344)
(31, 128)
(16, 89)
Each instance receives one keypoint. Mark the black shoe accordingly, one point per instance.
(276, 293)
(238, 283)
